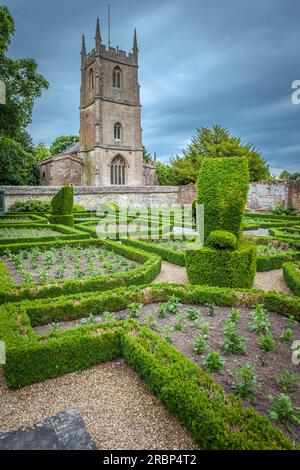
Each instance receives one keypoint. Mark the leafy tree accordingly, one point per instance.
(214, 143)
(62, 142)
(165, 174)
(40, 152)
(23, 84)
(18, 162)
(286, 175)
(17, 166)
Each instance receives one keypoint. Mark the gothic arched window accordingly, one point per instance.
(91, 80)
(118, 171)
(118, 131)
(117, 77)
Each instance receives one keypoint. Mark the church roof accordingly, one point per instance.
(74, 148)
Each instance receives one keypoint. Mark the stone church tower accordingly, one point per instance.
(110, 116)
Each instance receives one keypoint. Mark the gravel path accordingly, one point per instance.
(171, 273)
(118, 410)
(271, 280)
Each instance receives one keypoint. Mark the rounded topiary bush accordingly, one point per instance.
(222, 239)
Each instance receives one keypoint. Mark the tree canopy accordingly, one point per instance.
(214, 143)
(23, 85)
(62, 142)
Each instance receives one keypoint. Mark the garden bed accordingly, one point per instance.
(80, 268)
(37, 265)
(22, 233)
(182, 331)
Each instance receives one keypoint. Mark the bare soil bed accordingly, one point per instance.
(118, 410)
(64, 263)
(266, 365)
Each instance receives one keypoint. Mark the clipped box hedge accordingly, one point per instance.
(149, 269)
(65, 233)
(269, 262)
(291, 274)
(223, 187)
(34, 218)
(216, 420)
(224, 268)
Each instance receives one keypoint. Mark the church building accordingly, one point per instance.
(110, 151)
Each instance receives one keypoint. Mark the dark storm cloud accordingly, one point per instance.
(201, 62)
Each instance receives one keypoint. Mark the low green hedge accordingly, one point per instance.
(149, 269)
(224, 268)
(65, 233)
(290, 233)
(291, 274)
(88, 227)
(270, 262)
(34, 218)
(74, 306)
(174, 257)
(216, 420)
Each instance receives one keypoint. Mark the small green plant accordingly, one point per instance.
(200, 343)
(259, 322)
(90, 320)
(167, 332)
(287, 381)
(247, 384)
(173, 305)
(179, 324)
(151, 322)
(266, 342)
(55, 327)
(234, 343)
(162, 311)
(27, 276)
(287, 336)
(291, 322)
(192, 314)
(135, 310)
(48, 258)
(214, 362)
(234, 316)
(211, 309)
(108, 316)
(61, 272)
(283, 409)
(43, 275)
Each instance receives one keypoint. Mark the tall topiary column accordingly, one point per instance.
(226, 259)
(62, 207)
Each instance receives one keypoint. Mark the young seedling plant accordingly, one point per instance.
(214, 362)
(283, 410)
(246, 385)
(287, 381)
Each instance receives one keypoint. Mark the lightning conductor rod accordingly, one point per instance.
(108, 25)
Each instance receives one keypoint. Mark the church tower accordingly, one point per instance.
(110, 116)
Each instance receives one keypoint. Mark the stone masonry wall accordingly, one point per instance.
(260, 197)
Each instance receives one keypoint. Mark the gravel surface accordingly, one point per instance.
(171, 273)
(271, 280)
(118, 410)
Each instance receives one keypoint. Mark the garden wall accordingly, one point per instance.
(261, 196)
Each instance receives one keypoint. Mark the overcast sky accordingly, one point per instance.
(230, 62)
